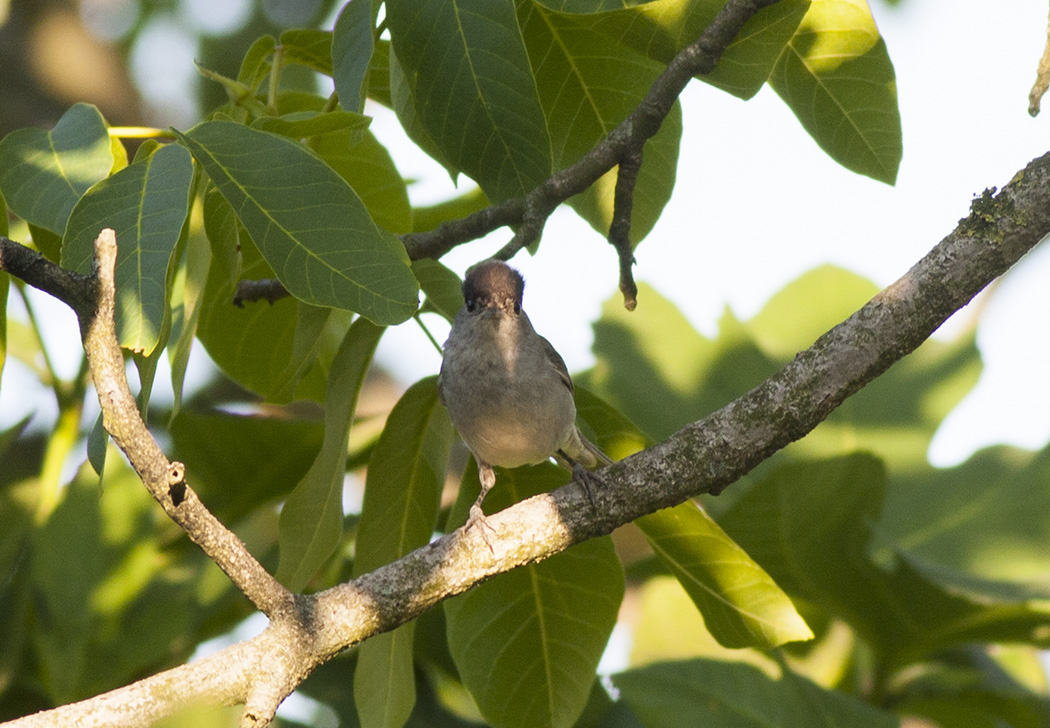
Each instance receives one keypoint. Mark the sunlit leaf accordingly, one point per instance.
(308, 47)
(145, 205)
(836, 76)
(741, 604)
(44, 173)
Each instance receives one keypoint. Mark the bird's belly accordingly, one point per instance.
(510, 442)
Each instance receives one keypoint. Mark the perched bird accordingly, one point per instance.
(507, 390)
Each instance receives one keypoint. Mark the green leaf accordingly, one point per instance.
(527, 643)
(256, 63)
(44, 173)
(429, 217)
(241, 462)
(255, 345)
(146, 205)
(308, 47)
(722, 694)
(98, 443)
(587, 86)
(312, 518)
(379, 74)
(187, 295)
(809, 525)
(366, 165)
(298, 124)
(442, 286)
(402, 494)
(837, 78)
(741, 604)
(662, 28)
(982, 520)
(473, 91)
(316, 234)
(352, 47)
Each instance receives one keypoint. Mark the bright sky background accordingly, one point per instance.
(757, 203)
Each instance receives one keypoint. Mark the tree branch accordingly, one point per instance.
(703, 457)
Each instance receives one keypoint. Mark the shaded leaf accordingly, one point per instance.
(716, 694)
(240, 462)
(308, 47)
(312, 517)
(44, 173)
(316, 234)
(527, 643)
(298, 124)
(352, 46)
(836, 76)
(145, 205)
(465, 65)
(402, 493)
(442, 286)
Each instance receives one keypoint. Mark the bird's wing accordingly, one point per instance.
(557, 362)
(441, 393)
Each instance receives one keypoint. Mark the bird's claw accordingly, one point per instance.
(477, 518)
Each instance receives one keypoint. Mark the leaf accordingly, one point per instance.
(186, 310)
(255, 345)
(661, 29)
(312, 517)
(241, 462)
(716, 694)
(442, 286)
(809, 525)
(308, 47)
(352, 47)
(256, 63)
(44, 173)
(741, 604)
(298, 124)
(473, 92)
(429, 217)
(366, 165)
(587, 86)
(316, 234)
(146, 205)
(836, 76)
(983, 520)
(402, 494)
(527, 643)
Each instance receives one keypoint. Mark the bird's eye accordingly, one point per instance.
(517, 308)
(471, 305)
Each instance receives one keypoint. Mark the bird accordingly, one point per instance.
(507, 390)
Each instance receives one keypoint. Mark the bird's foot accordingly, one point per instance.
(477, 518)
(588, 480)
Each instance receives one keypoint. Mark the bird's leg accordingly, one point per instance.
(487, 476)
(581, 475)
